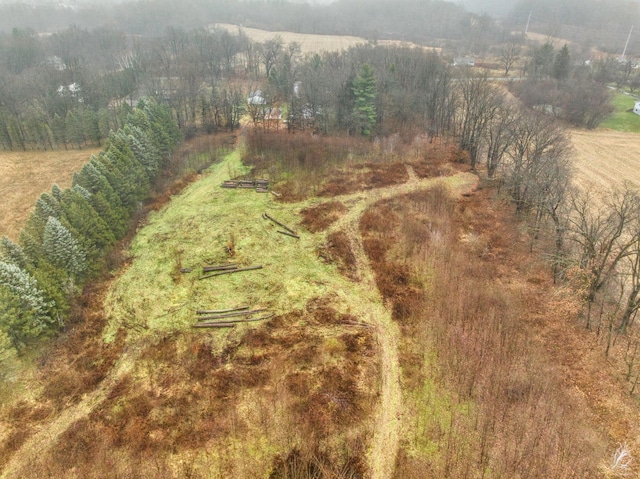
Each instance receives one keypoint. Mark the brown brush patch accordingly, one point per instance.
(320, 217)
(318, 465)
(322, 312)
(334, 403)
(377, 175)
(13, 442)
(338, 250)
(475, 318)
(359, 343)
(440, 159)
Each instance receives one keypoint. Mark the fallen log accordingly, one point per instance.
(267, 217)
(239, 270)
(222, 267)
(221, 311)
(216, 325)
(355, 323)
(288, 234)
(240, 320)
(277, 195)
(262, 190)
(231, 315)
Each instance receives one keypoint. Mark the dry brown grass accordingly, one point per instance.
(308, 373)
(606, 158)
(26, 175)
(310, 43)
(320, 217)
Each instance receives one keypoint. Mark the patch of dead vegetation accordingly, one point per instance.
(316, 464)
(186, 395)
(434, 157)
(364, 177)
(337, 249)
(320, 217)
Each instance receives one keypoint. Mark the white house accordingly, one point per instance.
(636, 108)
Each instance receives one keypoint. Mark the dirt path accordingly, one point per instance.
(386, 439)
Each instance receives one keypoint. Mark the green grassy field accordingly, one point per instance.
(622, 119)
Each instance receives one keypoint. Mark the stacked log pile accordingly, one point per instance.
(261, 186)
(230, 317)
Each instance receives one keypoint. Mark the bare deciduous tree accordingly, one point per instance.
(509, 54)
(479, 103)
(603, 236)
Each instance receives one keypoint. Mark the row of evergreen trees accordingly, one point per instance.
(70, 232)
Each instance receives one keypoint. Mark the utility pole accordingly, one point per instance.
(626, 44)
(526, 30)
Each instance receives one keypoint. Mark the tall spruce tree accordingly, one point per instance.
(90, 230)
(365, 91)
(62, 249)
(26, 313)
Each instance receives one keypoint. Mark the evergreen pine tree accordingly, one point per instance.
(12, 253)
(88, 227)
(74, 128)
(562, 64)
(56, 192)
(104, 123)
(62, 249)
(364, 89)
(5, 138)
(25, 313)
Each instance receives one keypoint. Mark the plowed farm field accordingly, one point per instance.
(26, 175)
(606, 158)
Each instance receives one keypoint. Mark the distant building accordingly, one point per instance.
(256, 98)
(463, 62)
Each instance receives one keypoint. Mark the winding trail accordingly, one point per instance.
(386, 440)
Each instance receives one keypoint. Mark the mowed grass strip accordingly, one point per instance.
(25, 175)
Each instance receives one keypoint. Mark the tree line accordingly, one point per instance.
(68, 235)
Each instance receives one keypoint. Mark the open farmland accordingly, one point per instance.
(26, 175)
(606, 158)
(310, 43)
